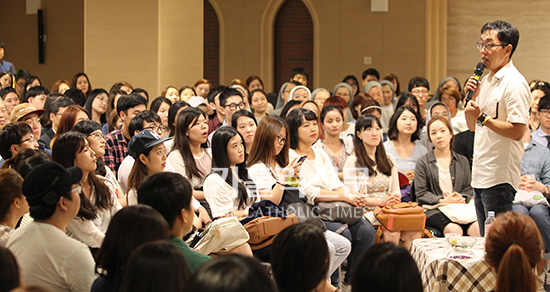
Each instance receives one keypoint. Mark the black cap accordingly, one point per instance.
(44, 185)
(143, 141)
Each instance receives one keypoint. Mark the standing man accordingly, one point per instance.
(498, 113)
(5, 65)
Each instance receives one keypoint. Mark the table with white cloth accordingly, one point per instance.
(440, 273)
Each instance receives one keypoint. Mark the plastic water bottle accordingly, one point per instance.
(490, 219)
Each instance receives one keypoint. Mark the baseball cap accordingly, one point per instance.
(44, 185)
(195, 101)
(143, 141)
(24, 109)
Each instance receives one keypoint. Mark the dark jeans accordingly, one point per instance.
(362, 236)
(498, 198)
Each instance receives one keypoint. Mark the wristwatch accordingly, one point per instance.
(482, 119)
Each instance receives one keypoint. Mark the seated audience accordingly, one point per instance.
(96, 105)
(155, 266)
(245, 123)
(258, 103)
(47, 257)
(513, 248)
(543, 113)
(161, 106)
(14, 138)
(420, 88)
(71, 115)
(129, 228)
(56, 109)
(13, 204)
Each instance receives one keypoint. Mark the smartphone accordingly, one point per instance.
(302, 159)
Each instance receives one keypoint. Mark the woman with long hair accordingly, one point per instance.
(258, 103)
(161, 106)
(225, 188)
(245, 122)
(380, 180)
(404, 140)
(147, 148)
(443, 176)
(98, 201)
(82, 82)
(202, 87)
(513, 248)
(72, 115)
(173, 113)
(320, 183)
(96, 105)
(13, 204)
(130, 228)
(96, 140)
(60, 86)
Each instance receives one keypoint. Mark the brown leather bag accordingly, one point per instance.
(262, 231)
(401, 217)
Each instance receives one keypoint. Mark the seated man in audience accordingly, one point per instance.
(420, 88)
(29, 115)
(214, 104)
(299, 74)
(369, 75)
(37, 96)
(57, 107)
(231, 100)
(170, 194)
(46, 255)
(542, 134)
(14, 138)
(535, 162)
(116, 146)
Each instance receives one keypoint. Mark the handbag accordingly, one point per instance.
(401, 217)
(223, 234)
(263, 230)
(459, 213)
(338, 211)
(292, 204)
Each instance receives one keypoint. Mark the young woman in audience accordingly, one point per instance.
(96, 140)
(254, 82)
(232, 273)
(347, 129)
(332, 119)
(123, 86)
(96, 105)
(98, 202)
(13, 204)
(404, 144)
(410, 100)
(300, 259)
(312, 106)
(320, 183)
(258, 103)
(186, 92)
(202, 87)
(514, 248)
(147, 148)
(224, 188)
(450, 96)
(355, 104)
(10, 98)
(443, 176)
(387, 268)
(171, 93)
(156, 266)
(189, 155)
(173, 113)
(245, 122)
(114, 95)
(129, 228)
(10, 277)
(353, 82)
(82, 82)
(161, 106)
(381, 181)
(72, 115)
(6, 79)
(60, 86)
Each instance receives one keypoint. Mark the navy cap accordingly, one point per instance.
(144, 140)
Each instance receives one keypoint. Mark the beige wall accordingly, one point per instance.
(150, 44)
(531, 18)
(345, 32)
(64, 47)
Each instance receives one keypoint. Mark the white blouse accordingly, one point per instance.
(221, 197)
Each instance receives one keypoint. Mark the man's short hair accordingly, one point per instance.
(129, 101)
(227, 93)
(507, 33)
(418, 82)
(371, 71)
(36, 90)
(22, 74)
(77, 96)
(166, 192)
(544, 103)
(60, 102)
(299, 70)
(12, 134)
(136, 123)
(211, 96)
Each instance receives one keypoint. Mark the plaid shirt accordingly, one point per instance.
(116, 148)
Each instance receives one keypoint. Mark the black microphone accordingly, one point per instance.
(477, 74)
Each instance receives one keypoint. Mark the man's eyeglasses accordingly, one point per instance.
(281, 140)
(482, 45)
(158, 129)
(234, 106)
(419, 91)
(544, 112)
(31, 139)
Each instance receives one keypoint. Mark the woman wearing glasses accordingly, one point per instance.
(98, 202)
(96, 140)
